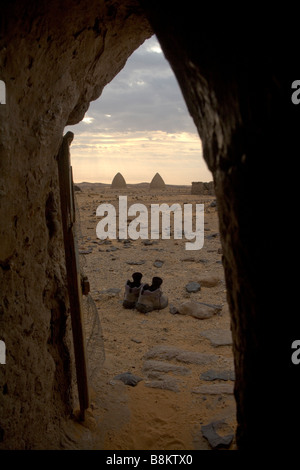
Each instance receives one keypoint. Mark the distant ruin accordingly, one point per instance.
(157, 182)
(118, 182)
(203, 188)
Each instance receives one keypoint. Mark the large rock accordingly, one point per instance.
(163, 352)
(214, 389)
(128, 378)
(212, 432)
(156, 373)
(193, 287)
(164, 383)
(218, 336)
(209, 280)
(198, 309)
(152, 367)
(213, 374)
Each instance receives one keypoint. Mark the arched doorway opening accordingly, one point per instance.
(182, 356)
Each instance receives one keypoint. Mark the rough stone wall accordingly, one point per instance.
(235, 72)
(198, 187)
(55, 57)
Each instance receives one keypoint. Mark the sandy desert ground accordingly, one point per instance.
(185, 363)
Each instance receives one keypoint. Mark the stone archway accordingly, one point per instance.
(236, 83)
(42, 47)
(54, 60)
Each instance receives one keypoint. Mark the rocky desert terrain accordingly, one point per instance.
(162, 380)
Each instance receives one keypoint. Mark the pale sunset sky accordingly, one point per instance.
(139, 126)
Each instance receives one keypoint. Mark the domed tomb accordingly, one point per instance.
(118, 182)
(157, 182)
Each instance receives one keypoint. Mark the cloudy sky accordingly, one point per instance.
(139, 126)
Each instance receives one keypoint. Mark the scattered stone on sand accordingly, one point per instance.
(128, 378)
(198, 309)
(213, 374)
(214, 389)
(170, 352)
(112, 248)
(211, 433)
(104, 242)
(158, 263)
(218, 337)
(173, 309)
(151, 366)
(193, 287)
(166, 383)
(86, 252)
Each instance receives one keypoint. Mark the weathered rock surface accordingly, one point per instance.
(193, 287)
(163, 352)
(128, 378)
(152, 366)
(164, 383)
(213, 374)
(234, 150)
(218, 337)
(156, 373)
(55, 58)
(211, 433)
(214, 389)
(158, 263)
(198, 309)
(209, 280)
